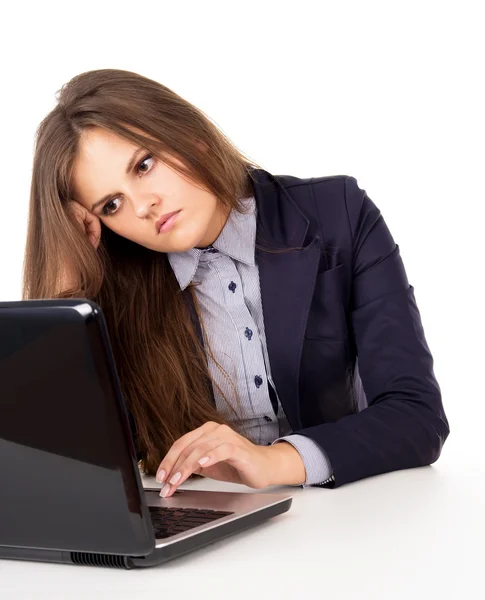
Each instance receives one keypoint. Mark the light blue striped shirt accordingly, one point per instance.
(229, 297)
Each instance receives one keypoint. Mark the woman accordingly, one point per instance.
(237, 302)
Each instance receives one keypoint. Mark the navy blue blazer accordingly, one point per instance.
(346, 345)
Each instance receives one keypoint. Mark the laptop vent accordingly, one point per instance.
(98, 560)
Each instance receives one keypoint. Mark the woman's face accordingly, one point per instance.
(137, 190)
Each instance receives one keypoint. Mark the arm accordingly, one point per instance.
(315, 461)
(404, 424)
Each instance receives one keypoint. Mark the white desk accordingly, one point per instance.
(415, 534)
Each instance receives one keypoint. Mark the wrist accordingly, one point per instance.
(287, 466)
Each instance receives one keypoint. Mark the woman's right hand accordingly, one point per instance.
(91, 225)
(89, 221)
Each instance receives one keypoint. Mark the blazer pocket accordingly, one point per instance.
(326, 318)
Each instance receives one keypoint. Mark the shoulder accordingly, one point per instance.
(343, 188)
(336, 199)
(291, 181)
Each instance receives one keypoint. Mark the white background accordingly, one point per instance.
(388, 92)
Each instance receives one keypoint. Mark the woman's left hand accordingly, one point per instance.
(218, 452)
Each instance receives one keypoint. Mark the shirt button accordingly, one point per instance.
(232, 287)
(248, 333)
(266, 418)
(258, 381)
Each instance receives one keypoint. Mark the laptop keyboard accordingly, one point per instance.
(168, 521)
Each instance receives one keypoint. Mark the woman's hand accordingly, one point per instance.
(88, 221)
(218, 452)
(91, 225)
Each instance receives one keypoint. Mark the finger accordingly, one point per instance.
(76, 209)
(169, 489)
(208, 440)
(179, 446)
(204, 457)
(89, 221)
(93, 230)
(213, 437)
(187, 463)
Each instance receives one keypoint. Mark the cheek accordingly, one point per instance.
(199, 215)
(167, 184)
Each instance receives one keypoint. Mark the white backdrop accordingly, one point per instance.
(388, 92)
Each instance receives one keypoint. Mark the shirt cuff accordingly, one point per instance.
(317, 465)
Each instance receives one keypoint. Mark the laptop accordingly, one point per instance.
(70, 486)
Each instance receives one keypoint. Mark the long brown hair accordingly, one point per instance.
(160, 361)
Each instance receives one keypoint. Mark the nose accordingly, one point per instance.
(144, 205)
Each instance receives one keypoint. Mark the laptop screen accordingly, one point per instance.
(68, 473)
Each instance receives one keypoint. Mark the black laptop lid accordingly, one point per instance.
(68, 467)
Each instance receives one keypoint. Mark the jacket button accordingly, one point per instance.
(258, 381)
(232, 287)
(248, 333)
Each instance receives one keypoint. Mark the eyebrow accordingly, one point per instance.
(129, 167)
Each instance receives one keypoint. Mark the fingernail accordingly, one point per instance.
(202, 461)
(175, 478)
(160, 476)
(165, 490)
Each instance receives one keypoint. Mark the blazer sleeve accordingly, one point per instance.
(404, 424)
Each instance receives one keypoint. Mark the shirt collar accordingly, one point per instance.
(236, 240)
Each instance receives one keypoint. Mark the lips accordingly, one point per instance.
(164, 218)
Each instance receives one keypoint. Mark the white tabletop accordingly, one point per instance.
(418, 534)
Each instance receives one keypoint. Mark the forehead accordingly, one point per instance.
(100, 143)
(99, 164)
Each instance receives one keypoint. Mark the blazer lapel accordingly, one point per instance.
(287, 281)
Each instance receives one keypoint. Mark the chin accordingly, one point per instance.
(184, 241)
(180, 246)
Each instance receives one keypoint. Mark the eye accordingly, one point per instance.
(108, 208)
(145, 166)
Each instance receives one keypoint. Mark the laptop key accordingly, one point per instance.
(168, 521)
